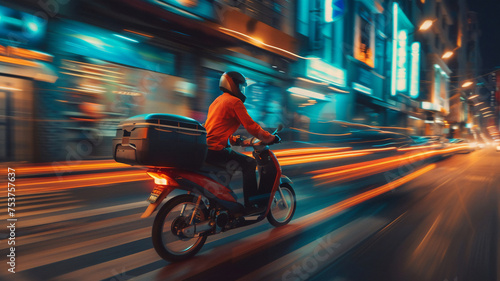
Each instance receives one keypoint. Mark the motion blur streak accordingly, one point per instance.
(55, 183)
(227, 30)
(364, 169)
(310, 220)
(418, 147)
(89, 165)
(329, 175)
(358, 199)
(310, 155)
(304, 151)
(310, 158)
(327, 135)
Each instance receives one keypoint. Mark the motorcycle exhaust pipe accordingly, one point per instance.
(192, 230)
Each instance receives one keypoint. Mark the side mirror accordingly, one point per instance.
(280, 127)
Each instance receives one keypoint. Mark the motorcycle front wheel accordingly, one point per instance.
(168, 241)
(283, 206)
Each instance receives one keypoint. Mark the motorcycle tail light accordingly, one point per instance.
(161, 179)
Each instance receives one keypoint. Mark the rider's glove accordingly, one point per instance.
(277, 139)
(237, 140)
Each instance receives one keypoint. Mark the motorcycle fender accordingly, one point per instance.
(152, 207)
(285, 179)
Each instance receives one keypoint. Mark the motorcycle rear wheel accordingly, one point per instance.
(167, 241)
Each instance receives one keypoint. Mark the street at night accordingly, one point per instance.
(343, 140)
(442, 224)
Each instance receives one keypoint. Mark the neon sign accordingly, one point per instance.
(415, 70)
(401, 69)
(395, 8)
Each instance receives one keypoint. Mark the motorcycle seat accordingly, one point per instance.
(210, 168)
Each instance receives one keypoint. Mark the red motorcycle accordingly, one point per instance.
(184, 222)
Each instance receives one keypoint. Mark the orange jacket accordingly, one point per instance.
(225, 115)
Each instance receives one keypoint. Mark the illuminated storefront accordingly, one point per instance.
(106, 77)
(405, 63)
(367, 69)
(405, 72)
(23, 66)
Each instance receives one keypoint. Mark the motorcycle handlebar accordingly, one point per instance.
(256, 142)
(251, 142)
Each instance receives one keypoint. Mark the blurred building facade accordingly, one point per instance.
(463, 119)
(145, 56)
(307, 63)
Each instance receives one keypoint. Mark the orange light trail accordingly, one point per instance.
(303, 151)
(285, 161)
(95, 165)
(309, 158)
(18, 61)
(418, 147)
(227, 30)
(360, 170)
(339, 173)
(317, 217)
(40, 185)
(358, 199)
(310, 155)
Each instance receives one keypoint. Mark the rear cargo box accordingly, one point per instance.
(161, 140)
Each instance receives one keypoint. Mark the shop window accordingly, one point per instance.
(364, 38)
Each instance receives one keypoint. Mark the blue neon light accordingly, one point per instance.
(395, 8)
(415, 70)
(401, 65)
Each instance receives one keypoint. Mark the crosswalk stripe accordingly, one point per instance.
(36, 196)
(33, 201)
(57, 254)
(40, 212)
(29, 206)
(124, 264)
(115, 268)
(320, 252)
(40, 237)
(83, 214)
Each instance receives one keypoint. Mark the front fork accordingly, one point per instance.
(282, 197)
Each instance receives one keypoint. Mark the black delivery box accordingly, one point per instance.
(161, 140)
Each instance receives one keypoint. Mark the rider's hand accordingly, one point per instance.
(236, 140)
(277, 139)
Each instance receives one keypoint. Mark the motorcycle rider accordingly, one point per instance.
(226, 113)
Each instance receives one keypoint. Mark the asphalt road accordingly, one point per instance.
(445, 227)
(435, 221)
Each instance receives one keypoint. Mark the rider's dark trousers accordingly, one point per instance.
(233, 161)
